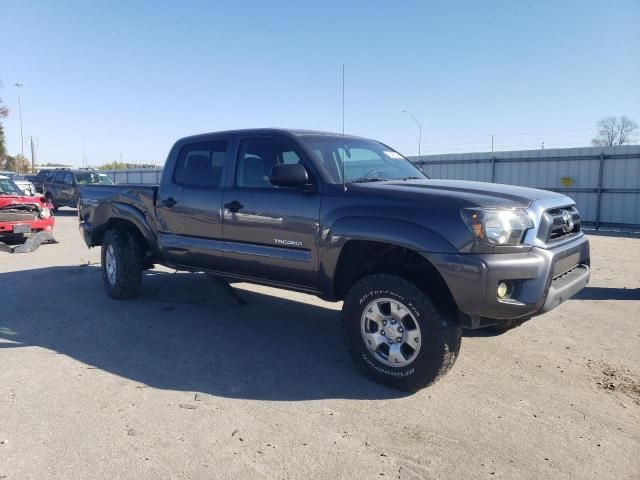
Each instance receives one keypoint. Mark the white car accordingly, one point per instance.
(23, 184)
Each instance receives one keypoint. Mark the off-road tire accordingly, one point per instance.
(440, 342)
(128, 258)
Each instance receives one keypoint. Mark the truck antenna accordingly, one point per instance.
(344, 185)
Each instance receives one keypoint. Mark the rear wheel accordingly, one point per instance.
(121, 263)
(395, 334)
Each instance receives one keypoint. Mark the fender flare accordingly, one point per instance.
(374, 229)
(105, 213)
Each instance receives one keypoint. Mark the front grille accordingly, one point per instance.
(558, 224)
(17, 217)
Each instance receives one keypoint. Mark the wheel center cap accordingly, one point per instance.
(391, 331)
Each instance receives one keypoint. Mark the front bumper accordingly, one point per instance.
(85, 232)
(41, 224)
(541, 279)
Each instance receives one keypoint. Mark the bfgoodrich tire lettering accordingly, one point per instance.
(440, 337)
(121, 279)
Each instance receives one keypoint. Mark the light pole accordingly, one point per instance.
(419, 125)
(19, 86)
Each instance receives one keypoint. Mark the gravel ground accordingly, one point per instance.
(184, 383)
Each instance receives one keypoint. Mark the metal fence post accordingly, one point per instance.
(599, 197)
(493, 169)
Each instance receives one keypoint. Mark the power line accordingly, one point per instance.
(496, 140)
(511, 134)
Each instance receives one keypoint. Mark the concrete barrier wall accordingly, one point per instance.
(144, 176)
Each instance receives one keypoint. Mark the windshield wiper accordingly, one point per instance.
(411, 178)
(368, 179)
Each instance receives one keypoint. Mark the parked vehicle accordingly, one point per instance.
(347, 218)
(62, 186)
(21, 181)
(22, 216)
(40, 178)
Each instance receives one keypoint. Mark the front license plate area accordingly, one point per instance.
(565, 264)
(22, 228)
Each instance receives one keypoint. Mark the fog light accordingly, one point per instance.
(503, 290)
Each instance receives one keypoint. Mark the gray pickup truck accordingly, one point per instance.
(347, 218)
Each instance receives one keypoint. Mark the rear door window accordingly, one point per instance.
(68, 179)
(201, 164)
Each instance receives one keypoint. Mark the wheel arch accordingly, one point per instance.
(348, 236)
(126, 217)
(385, 246)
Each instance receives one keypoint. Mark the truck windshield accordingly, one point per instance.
(360, 160)
(7, 187)
(91, 178)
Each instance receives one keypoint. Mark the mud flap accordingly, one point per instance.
(32, 243)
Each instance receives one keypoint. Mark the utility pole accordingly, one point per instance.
(33, 155)
(491, 143)
(19, 86)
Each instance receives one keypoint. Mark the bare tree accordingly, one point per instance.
(614, 131)
(4, 112)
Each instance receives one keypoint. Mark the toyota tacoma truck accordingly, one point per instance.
(348, 219)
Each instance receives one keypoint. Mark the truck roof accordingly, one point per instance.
(272, 130)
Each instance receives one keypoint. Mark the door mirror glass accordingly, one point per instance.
(289, 175)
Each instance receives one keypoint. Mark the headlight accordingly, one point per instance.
(498, 227)
(45, 213)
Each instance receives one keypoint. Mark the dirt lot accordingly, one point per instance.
(184, 383)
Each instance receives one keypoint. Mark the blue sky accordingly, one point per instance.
(132, 77)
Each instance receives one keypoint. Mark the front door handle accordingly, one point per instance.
(169, 202)
(233, 206)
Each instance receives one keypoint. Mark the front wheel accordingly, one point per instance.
(395, 335)
(121, 263)
(54, 207)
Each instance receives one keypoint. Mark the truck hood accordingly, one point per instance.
(9, 200)
(475, 194)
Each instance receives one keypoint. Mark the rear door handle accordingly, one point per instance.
(233, 206)
(169, 202)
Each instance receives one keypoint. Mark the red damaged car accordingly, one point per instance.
(20, 215)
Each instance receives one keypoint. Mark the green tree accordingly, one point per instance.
(113, 166)
(49, 164)
(23, 165)
(18, 164)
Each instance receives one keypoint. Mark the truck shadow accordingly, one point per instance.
(66, 212)
(185, 333)
(607, 293)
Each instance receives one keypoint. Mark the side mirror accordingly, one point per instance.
(289, 175)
